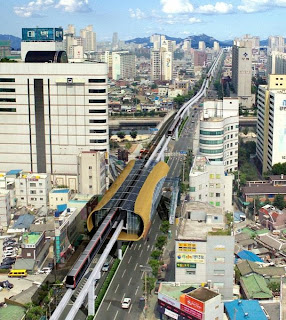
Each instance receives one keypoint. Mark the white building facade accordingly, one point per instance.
(5, 209)
(123, 65)
(50, 112)
(161, 64)
(219, 126)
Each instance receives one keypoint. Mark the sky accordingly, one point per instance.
(222, 20)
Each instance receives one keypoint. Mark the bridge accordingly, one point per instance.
(126, 210)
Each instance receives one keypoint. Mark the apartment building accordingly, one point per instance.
(50, 112)
(161, 64)
(242, 71)
(123, 65)
(218, 139)
(89, 38)
(276, 43)
(202, 46)
(276, 63)
(209, 183)
(271, 137)
(5, 209)
(202, 254)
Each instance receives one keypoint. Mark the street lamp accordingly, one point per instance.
(145, 269)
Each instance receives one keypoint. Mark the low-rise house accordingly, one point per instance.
(255, 287)
(271, 242)
(272, 218)
(244, 309)
(248, 255)
(246, 268)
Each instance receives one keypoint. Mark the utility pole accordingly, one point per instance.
(146, 298)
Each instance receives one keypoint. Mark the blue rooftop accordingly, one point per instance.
(237, 310)
(61, 191)
(248, 255)
(24, 221)
(13, 172)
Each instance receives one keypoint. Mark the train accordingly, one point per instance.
(93, 247)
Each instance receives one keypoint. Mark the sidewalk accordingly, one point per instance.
(168, 258)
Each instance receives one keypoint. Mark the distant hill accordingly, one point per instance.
(195, 40)
(15, 41)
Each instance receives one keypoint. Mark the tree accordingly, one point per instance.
(128, 145)
(121, 135)
(156, 254)
(133, 134)
(136, 101)
(179, 100)
(279, 201)
(161, 241)
(279, 168)
(154, 86)
(150, 281)
(245, 130)
(165, 226)
(155, 264)
(274, 286)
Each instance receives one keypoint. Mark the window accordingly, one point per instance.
(41, 199)
(215, 217)
(21, 183)
(89, 167)
(210, 151)
(192, 189)
(7, 99)
(7, 79)
(97, 100)
(33, 184)
(41, 191)
(22, 198)
(97, 131)
(219, 272)
(211, 185)
(212, 176)
(96, 80)
(219, 259)
(211, 194)
(217, 185)
(31, 34)
(97, 141)
(96, 90)
(29, 254)
(97, 121)
(217, 176)
(90, 177)
(217, 204)
(211, 141)
(211, 133)
(97, 111)
(90, 187)
(218, 284)
(32, 191)
(200, 187)
(217, 194)
(7, 109)
(231, 127)
(40, 184)
(212, 203)
(192, 272)
(7, 90)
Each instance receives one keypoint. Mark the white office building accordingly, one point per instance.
(218, 139)
(161, 64)
(271, 122)
(242, 71)
(92, 173)
(276, 63)
(5, 210)
(276, 43)
(89, 38)
(202, 46)
(202, 254)
(50, 112)
(210, 183)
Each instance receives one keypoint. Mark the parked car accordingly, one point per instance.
(8, 261)
(9, 255)
(10, 249)
(5, 266)
(46, 270)
(126, 303)
(6, 284)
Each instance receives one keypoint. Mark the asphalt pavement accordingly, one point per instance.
(128, 280)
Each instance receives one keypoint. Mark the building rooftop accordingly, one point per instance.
(248, 255)
(24, 221)
(60, 190)
(265, 188)
(255, 287)
(31, 237)
(13, 172)
(203, 294)
(199, 230)
(244, 309)
(247, 267)
(175, 289)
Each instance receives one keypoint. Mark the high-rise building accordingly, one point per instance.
(50, 113)
(187, 44)
(242, 71)
(254, 40)
(169, 45)
(208, 182)
(202, 45)
(41, 39)
(216, 46)
(276, 63)
(5, 48)
(276, 43)
(161, 64)
(89, 38)
(202, 254)
(115, 40)
(271, 122)
(219, 132)
(200, 58)
(123, 65)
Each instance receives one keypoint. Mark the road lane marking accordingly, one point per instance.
(116, 315)
(150, 230)
(116, 288)
(141, 253)
(152, 248)
(130, 308)
(108, 305)
(156, 236)
(139, 246)
(136, 266)
(142, 275)
(147, 261)
(129, 281)
(148, 247)
(136, 291)
(153, 221)
(135, 246)
(129, 259)
(123, 273)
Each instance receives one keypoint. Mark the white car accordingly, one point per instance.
(46, 270)
(126, 303)
(9, 255)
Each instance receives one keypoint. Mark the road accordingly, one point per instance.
(127, 282)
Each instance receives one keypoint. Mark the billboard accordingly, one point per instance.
(162, 307)
(192, 303)
(190, 258)
(191, 311)
(42, 34)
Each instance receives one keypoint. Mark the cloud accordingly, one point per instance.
(218, 8)
(176, 6)
(137, 14)
(252, 6)
(33, 8)
(36, 8)
(74, 5)
(194, 20)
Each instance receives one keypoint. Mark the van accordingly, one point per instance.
(18, 273)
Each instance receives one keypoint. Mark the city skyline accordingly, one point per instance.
(223, 20)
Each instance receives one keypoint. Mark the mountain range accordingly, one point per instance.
(15, 41)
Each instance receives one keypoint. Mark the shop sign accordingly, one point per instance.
(191, 311)
(190, 258)
(171, 314)
(186, 265)
(194, 303)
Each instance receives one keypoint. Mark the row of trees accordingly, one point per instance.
(121, 134)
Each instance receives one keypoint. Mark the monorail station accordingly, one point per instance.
(136, 193)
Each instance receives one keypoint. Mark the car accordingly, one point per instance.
(5, 266)
(6, 284)
(193, 121)
(8, 260)
(9, 255)
(9, 249)
(125, 304)
(11, 244)
(105, 266)
(46, 270)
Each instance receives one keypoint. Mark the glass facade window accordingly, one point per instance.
(192, 189)
(97, 141)
(97, 100)
(96, 80)
(7, 99)
(211, 133)
(7, 90)
(211, 141)
(96, 90)
(7, 109)
(97, 121)
(97, 131)
(97, 111)
(210, 151)
(7, 79)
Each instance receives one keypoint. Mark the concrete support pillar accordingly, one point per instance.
(188, 112)
(119, 253)
(91, 298)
